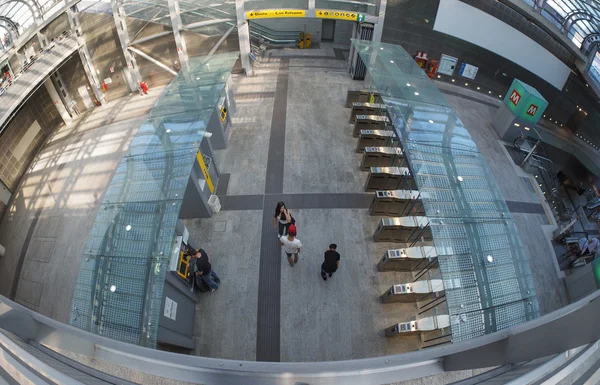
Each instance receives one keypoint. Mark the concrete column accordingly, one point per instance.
(58, 102)
(378, 28)
(62, 90)
(42, 38)
(132, 72)
(244, 37)
(84, 54)
(176, 24)
(311, 4)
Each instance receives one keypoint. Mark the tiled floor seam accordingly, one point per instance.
(268, 322)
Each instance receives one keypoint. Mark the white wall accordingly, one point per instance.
(460, 20)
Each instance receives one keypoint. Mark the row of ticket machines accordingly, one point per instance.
(399, 202)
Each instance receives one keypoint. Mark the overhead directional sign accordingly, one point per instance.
(332, 14)
(275, 13)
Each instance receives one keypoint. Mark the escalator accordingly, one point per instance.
(546, 176)
(268, 38)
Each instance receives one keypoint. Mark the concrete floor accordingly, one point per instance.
(52, 211)
(339, 319)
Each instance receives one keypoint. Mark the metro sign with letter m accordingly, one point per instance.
(515, 97)
(532, 110)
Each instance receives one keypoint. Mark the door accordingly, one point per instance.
(327, 30)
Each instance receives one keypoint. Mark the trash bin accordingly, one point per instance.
(214, 203)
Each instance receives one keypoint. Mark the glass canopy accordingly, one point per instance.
(487, 279)
(120, 284)
(577, 18)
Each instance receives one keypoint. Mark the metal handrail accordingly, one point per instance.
(519, 343)
(265, 34)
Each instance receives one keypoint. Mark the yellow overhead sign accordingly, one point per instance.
(330, 14)
(275, 13)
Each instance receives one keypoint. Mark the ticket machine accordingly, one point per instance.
(382, 157)
(362, 96)
(403, 229)
(375, 138)
(423, 325)
(389, 178)
(397, 203)
(176, 323)
(370, 122)
(414, 292)
(407, 259)
(367, 109)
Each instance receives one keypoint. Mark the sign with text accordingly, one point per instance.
(525, 102)
(331, 14)
(275, 13)
(205, 172)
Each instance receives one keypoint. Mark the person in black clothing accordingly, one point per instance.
(283, 218)
(331, 263)
(204, 269)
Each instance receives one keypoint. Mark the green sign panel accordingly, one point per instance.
(596, 270)
(525, 102)
(360, 18)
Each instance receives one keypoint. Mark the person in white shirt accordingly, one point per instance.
(291, 245)
(588, 245)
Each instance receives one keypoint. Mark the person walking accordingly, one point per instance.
(291, 245)
(204, 269)
(331, 263)
(283, 218)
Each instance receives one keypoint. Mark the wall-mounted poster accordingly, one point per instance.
(447, 65)
(468, 71)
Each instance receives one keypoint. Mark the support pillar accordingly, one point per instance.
(132, 72)
(58, 102)
(43, 39)
(63, 92)
(244, 37)
(378, 27)
(84, 54)
(176, 25)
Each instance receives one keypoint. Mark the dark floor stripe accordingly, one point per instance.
(274, 179)
(297, 201)
(268, 322)
(223, 184)
(525, 207)
(471, 98)
(255, 95)
(268, 327)
(241, 202)
(325, 201)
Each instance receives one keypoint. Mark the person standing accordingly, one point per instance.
(283, 218)
(291, 245)
(331, 263)
(204, 269)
